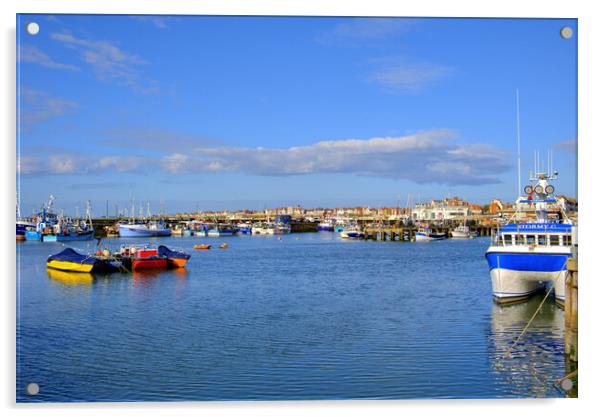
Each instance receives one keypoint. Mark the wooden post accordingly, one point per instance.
(571, 310)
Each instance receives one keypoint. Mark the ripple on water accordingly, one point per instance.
(308, 318)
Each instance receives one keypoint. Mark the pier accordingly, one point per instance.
(571, 311)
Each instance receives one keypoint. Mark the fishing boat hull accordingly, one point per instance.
(517, 275)
(72, 237)
(423, 237)
(351, 234)
(220, 233)
(129, 231)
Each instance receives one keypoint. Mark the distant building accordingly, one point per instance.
(446, 209)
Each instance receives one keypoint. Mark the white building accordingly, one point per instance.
(439, 210)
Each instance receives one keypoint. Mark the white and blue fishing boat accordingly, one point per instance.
(219, 230)
(43, 222)
(326, 225)
(144, 229)
(67, 230)
(525, 257)
(351, 231)
(425, 234)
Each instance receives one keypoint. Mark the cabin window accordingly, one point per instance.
(520, 239)
(568, 240)
(530, 239)
(508, 240)
(554, 240)
(541, 240)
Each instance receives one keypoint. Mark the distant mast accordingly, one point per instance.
(518, 140)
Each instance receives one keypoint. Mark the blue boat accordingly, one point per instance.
(219, 230)
(524, 257)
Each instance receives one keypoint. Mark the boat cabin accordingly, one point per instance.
(534, 234)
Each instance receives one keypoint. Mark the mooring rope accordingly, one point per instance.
(532, 317)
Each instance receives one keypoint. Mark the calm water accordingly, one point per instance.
(307, 317)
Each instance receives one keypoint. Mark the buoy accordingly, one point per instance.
(223, 246)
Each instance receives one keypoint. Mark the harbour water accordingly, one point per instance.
(310, 316)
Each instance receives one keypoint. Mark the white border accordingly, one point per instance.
(590, 70)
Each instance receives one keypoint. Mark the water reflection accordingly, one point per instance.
(526, 370)
(70, 278)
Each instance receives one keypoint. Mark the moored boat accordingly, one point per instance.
(524, 257)
(326, 226)
(144, 229)
(72, 261)
(175, 258)
(351, 231)
(201, 247)
(425, 234)
(136, 258)
(461, 232)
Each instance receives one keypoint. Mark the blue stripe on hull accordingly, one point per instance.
(534, 262)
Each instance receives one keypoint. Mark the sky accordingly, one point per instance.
(225, 112)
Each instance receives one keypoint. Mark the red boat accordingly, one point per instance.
(147, 257)
(143, 258)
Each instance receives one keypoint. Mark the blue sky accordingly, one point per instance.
(249, 112)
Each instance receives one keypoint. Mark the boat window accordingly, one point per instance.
(520, 239)
(554, 240)
(541, 240)
(507, 239)
(530, 239)
(568, 240)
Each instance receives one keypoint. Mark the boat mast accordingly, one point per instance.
(518, 140)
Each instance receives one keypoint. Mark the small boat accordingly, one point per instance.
(223, 246)
(136, 258)
(150, 229)
(461, 232)
(72, 261)
(201, 247)
(351, 232)
(245, 228)
(326, 225)
(221, 230)
(175, 258)
(425, 234)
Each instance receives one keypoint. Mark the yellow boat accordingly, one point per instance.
(71, 261)
(69, 266)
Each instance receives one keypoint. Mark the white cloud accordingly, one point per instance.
(359, 30)
(109, 62)
(425, 157)
(567, 145)
(33, 55)
(157, 21)
(410, 77)
(36, 106)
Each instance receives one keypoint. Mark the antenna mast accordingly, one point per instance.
(518, 139)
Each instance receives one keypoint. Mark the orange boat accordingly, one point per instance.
(175, 258)
(202, 247)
